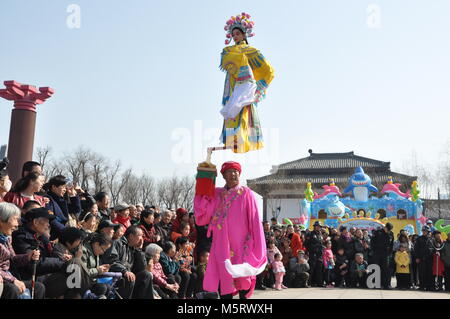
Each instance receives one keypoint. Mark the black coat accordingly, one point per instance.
(24, 240)
(423, 248)
(164, 231)
(314, 245)
(125, 258)
(340, 260)
(359, 248)
(382, 243)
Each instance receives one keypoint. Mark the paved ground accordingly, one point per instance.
(346, 293)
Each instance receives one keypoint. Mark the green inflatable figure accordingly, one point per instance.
(439, 226)
(309, 194)
(415, 191)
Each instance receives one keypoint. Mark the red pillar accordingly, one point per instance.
(23, 122)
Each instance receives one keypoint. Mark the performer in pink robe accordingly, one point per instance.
(238, 252)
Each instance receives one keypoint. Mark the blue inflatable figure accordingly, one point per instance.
(361, 185)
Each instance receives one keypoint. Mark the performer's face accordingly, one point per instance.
(231, 177)
(238, 36)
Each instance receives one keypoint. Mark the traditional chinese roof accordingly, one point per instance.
(319, 168)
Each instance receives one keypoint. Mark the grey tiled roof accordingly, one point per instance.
(320, 168)
(333, 161)
(324, 179)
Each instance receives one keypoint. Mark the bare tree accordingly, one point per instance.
(176, 192)
(43, 154)
(116, 181)
(147, 190)
(99, 166)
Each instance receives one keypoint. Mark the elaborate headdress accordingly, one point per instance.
(243, 23)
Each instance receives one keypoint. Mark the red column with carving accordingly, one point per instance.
(23, 122)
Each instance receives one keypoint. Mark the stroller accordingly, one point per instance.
(105, 288)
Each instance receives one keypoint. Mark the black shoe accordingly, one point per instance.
(261, 288)
(387, 288)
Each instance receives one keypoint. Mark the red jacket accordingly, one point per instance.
(158, 275)
(19, 200)
(296, 244)
(124, 221)
(149, 235)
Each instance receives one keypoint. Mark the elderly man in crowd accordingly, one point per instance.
(164, 228)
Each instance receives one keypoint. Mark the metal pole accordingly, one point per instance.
(439, 202)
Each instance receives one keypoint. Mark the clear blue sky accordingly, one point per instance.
(140, 75)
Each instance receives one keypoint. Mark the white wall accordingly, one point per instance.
(290, 208)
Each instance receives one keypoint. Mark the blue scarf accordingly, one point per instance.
(3, 239)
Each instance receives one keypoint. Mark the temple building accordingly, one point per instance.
(283, 190)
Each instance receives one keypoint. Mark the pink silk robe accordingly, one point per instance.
(238, 237)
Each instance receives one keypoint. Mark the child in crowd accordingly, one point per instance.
(279, 271)
(300, 270)
(328, 264)
(200, 293)
(341, 267)
(271, 251)
(403, 274)
(358, 272)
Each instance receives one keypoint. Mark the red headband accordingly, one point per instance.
(231, 165)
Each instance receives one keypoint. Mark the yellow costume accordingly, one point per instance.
(248, 76)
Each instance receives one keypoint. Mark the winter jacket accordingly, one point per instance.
(423, 248)
(90, 262)
(328, 258)
(438, 264)
(61, 209)
(296, 243)
(122, 256)
(159, 278)
(297, 268)
(124, 221)
(19, 200)
(340, 260)
(358, 247)
(271, 254)
(164, 231)
(149, 234)
(356, 268)
(9, 259)
(169, 266)
(382, 243)
(314, 245)
(24, 240)
(402, 260)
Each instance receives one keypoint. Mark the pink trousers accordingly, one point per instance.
(279, 280)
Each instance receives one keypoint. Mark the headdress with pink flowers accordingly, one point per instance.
(242, 22)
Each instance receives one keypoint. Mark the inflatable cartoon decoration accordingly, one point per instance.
(403, 210)
(309, 194)
(409, 229)
(360, 185)
(331, 189)
(393, 190)
(336, 208)
(288, 221)
(439, 226)
(414, 191)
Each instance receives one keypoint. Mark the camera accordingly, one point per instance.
(4, 163)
